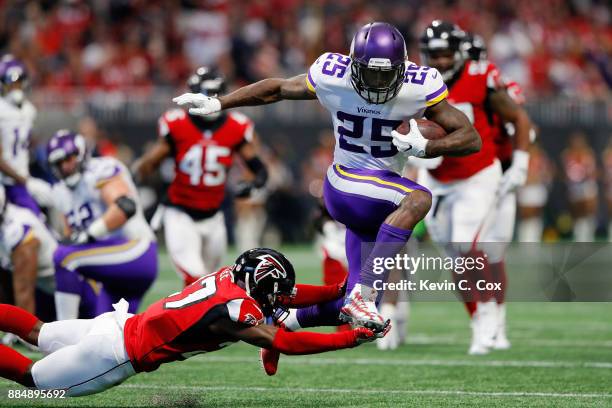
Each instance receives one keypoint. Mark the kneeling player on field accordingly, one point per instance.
(111, 241)
(90, 356)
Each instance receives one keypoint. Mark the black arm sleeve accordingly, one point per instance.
(259, 170)
(127, 205)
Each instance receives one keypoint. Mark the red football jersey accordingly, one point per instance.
(174, 328)
(502, 131)
(469, 94)
(202, 158)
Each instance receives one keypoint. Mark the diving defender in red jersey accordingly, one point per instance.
(89, 356)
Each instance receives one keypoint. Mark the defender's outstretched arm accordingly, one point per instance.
(271, 337)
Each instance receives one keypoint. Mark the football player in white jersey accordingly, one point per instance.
(368, 93)
(112, 242)
(17, 115)
(26, 246)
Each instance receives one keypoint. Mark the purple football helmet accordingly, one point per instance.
(60, 147)
(378, 55)
(12, 70)
(13, 79)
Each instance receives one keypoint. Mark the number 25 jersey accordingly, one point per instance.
(202, 156)
(363, 130)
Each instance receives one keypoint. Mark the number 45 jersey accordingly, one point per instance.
(363, 130)
(176, 327)
(202, 157)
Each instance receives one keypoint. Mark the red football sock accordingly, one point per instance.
(498, 272)
(13, 365)
(16, 320)
(333, 271)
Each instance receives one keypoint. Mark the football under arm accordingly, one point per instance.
(268, 91)
(150, 161)
(25, 270)
(462, 138)
(291, 343)
(510, 111)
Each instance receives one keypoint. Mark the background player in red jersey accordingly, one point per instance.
(90, 356)
(467, 189)
(202, 149)
(502, 230)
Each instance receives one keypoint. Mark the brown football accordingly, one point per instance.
(430, 130)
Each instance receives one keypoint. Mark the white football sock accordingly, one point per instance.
(530, 230)
(67, 305)
(584, 229)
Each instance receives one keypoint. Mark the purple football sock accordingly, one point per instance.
(389, 241)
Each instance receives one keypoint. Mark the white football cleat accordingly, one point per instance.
(501, 338)
(392, 340)
(484, 325)
(360, 309)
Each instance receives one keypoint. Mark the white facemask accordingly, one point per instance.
(72, 180)
(16, 96)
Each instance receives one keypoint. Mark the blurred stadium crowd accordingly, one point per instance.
(549, 46)
(553, 48)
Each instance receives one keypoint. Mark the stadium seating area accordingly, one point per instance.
(551, 46)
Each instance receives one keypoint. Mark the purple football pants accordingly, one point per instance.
(361, 200)
(126, 269)
(19, 195)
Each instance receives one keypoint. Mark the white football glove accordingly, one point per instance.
(198, 104)
(516, 175)
(413, 144)
(41, 191)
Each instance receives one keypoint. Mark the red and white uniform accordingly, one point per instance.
(174, 328)
(194, 229)
(503, 134)
(464, 188)
(202, 158)
(117, 345)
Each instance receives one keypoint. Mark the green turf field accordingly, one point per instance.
(561, 356)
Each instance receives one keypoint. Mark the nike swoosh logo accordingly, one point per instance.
(435, 75)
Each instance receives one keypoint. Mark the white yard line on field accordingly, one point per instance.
(511, 394)
(424, 339)
(414, 362)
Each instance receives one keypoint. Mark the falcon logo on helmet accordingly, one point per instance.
(268, 267)
(265, 274)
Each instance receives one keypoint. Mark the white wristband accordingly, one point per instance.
(520, 159)
(97, 229)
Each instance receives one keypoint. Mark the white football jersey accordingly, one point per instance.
(15, 130)
(83, 204)
(363, 130)
(20, 225)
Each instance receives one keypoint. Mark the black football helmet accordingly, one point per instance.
(443, 37)
(266, 274)
(207, 81)
(474, 47)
